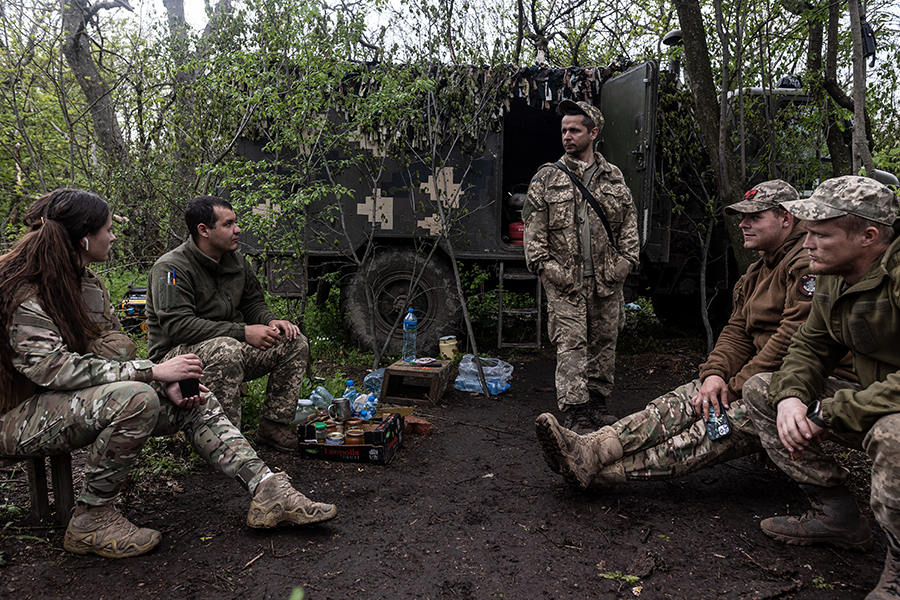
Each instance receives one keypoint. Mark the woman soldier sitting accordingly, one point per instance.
(56, 395)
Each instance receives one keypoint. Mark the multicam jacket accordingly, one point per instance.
(553, 236)
(192, 298)
(45, 362)
(863, 318)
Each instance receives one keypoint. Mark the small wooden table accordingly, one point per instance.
(406, 383)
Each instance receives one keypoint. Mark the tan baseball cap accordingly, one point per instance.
(848, 195)
(765, 196)
(589, 110)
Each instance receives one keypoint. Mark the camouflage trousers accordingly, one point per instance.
(228, 362)
(668, 438)
(881, 443)
(116, 420)
(584, 327)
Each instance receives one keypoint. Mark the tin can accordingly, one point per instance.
(334, 438)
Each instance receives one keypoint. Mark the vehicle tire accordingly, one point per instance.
(389, 276)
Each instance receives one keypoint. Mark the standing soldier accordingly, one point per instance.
(581, 238)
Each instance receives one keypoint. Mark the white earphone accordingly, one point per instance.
(86, 244)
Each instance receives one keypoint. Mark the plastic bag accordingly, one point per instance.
(372, 382)
(496, 373)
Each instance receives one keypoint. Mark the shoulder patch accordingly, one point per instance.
(807, 285)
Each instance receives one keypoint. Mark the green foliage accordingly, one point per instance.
(619, 576)
(820, 584)
(158, 458)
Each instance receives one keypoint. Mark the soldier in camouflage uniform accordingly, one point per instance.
(204, 298)
(56, 395)
(669, 437)
(853, 247)
(582, 270)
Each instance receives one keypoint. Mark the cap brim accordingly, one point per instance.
(747, 207)
(809, 209)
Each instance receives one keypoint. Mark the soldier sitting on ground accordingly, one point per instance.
(203, 298)
(56, 395)
(669, 437)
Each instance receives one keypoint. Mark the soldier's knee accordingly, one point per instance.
(756, 390)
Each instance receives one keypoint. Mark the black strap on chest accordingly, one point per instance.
(589, 197)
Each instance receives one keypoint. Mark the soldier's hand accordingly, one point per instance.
(186, 366)
(261, 336)
(173, 391)
(712, 391)
(289, 330)
(794, 429)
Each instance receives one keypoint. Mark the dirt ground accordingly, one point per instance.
(469, 511)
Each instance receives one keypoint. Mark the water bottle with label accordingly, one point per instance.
(350, 390)
(356, 407)
(409, 336)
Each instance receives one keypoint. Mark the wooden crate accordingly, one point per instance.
(406, 383)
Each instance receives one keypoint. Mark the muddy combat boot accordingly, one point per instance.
(576, 457)
(833, 519)
(276, 501)
(888, 587)
(104, 531)
(276, 435)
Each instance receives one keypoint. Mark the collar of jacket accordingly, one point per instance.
(887, 266)
(773, 258)
(577, 167)
(230, 263)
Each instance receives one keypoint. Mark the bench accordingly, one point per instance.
(63, 492)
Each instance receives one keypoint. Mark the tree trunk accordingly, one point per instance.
(862, 158)
(77, 50)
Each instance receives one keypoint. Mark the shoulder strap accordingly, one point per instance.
(589, 197)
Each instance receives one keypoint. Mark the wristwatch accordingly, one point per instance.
(814, 413)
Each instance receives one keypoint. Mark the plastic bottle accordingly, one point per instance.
(350, 391)
(321, 397)
(357, 405)
(473, 385)
(305, 409)
(372, 382)
(369, 408)
(409, 336)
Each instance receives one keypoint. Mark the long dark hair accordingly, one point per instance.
(46, 263)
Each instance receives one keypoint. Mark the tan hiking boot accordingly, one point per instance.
(888, 587)
(104, 531)
(576, 457)
(833, 519)
(277, 435)
(276, 501)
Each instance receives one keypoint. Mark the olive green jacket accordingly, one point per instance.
(191, 298)
(863, 318)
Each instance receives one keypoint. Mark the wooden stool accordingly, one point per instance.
(63, 492)
(427, 385)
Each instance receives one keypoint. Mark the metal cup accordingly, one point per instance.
(339, 409)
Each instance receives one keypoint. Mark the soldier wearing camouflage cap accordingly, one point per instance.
(582, 266)
(852, 246)
(669, 438)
